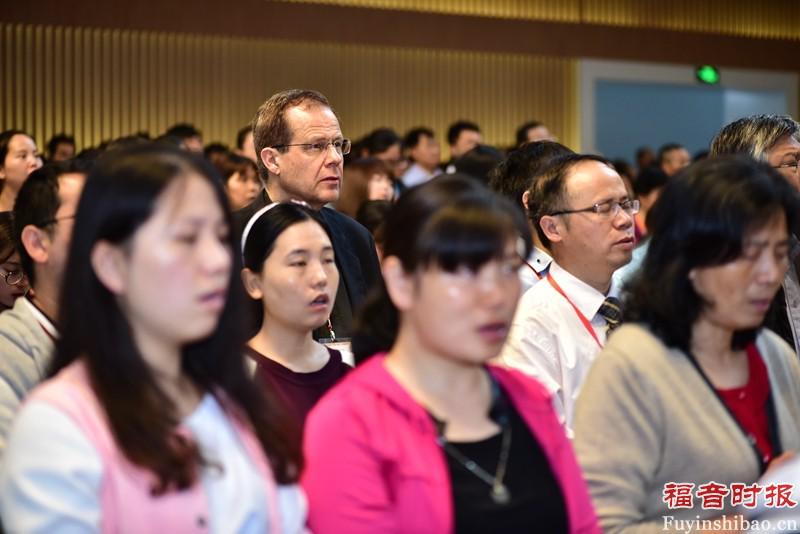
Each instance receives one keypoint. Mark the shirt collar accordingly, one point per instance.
(46, 324)
(586, 298)
(539, 260)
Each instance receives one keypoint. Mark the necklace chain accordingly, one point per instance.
(499, 493)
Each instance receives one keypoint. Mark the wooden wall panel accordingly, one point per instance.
(563, 10)
(102, 83)
(775, 18)
(772, 19)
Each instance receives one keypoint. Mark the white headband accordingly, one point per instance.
(252, 221)
(259, 213)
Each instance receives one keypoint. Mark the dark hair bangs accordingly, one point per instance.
(716, 235)
(465, 235)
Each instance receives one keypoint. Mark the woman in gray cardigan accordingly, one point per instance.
(692, 390)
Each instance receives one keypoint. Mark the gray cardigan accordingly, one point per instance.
(646, 417)
(25, 354)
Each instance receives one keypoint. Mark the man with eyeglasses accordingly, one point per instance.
(43, 213)
(775, 140)
(584, 216)
(300, 151)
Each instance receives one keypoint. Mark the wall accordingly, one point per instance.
(101, 84)
(630, 115)
(101, 69)
(734, 17)
(650, 87)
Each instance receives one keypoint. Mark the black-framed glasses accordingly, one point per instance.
(342, 147)
(791, 165)
(54, 220)
(609, 207)
(12, 278)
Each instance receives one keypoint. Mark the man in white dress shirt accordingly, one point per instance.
(585, 218)
(515, 178)
(422, 149)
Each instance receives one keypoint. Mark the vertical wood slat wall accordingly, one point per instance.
(773, 18)
(101, 83)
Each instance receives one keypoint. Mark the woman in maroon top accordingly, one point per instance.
(289, 268)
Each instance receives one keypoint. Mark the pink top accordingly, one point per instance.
(125, 499)
(373, 464)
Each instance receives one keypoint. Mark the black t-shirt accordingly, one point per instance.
(536, 505)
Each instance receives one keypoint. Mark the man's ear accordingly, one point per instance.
(36, 242)
(525, 196)
(399, 284)
(269, 157)
(110, 265)
(552, 228)
(252, 284)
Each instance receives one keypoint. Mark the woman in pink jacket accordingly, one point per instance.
(151, 423)
(424, 436)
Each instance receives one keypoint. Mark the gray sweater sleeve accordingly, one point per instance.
(25, 352)
(617, 442)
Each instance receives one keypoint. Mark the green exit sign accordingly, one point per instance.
(707, 74)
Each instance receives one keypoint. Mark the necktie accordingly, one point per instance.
(611, 311)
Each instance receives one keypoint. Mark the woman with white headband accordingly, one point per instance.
(289, 269)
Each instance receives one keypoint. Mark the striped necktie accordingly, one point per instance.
(611, 311)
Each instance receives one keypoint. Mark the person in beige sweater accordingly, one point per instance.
(695, 391)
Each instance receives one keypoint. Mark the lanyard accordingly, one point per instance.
(586, 324)
(539, 276)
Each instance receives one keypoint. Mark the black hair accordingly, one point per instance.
(183, 131)
(268, 227)
(5, 140)
(380, 140)
(460, 126)
(448, 222)
(665, 149)
(548, 193)
(241, 135)
(414, 136)
(120, 195)
(517, 172)
(479, 161)
(372, 215)
(260, 242)
(648, 180)
(37, 203)
(56, 140)
(718, 202)
(211, 150)
(7, 245)
(522, 131)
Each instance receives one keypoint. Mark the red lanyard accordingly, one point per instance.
(539, 276)
(586, 324)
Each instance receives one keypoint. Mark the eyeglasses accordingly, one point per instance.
(791, 165)
(54, 220)
(609, 207)
(342, 147)
(12, 278)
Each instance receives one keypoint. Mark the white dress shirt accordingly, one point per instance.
(538, 261)
(549, 342)
(416, 175)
